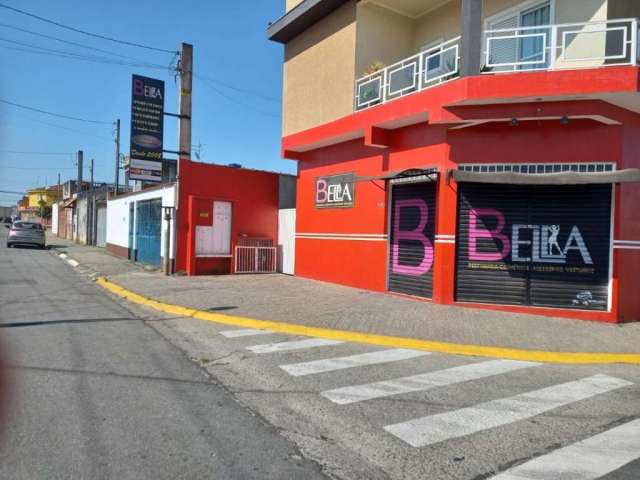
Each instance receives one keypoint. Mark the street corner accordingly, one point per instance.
(528, 355)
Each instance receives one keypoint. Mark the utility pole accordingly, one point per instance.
(90, 210)
(80, 161)
(185, 70)
(117, 155)
(59, 189)
(186, 82)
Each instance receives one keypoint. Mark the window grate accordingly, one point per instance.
(537, 168)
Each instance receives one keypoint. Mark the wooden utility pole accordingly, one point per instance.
(117, 179)
(80, 167)
(185, 70)
(90, 209)
(186, 81)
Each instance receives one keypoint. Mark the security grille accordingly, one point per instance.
(534, 245)
(411, 237)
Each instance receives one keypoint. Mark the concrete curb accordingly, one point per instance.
(373, 339)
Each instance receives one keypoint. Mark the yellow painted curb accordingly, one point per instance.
(373, 339)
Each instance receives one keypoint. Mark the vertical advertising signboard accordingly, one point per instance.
(147, 121)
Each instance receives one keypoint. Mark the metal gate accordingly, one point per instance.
(534, 245)
(411, 236)
(68, 223)
(148, 231)
(251, 259)
(101, 226)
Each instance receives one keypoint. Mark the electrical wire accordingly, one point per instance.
(82, 56)
(242, 104)
(18, 49)
(238, 89)
(37, 168)
(67, 117)
(84, 32)
(75, 130)
(36, 153)
(31, 32)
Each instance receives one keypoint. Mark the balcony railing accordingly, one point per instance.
(562, 46)
(548, 47)
(423, 70)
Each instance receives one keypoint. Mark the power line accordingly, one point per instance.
(37, 153)
(83, 132)
(91, 34)
(77, 57)
(242, 104)
(80, 56)
(238, 89)
(54, 114)
(31, 32)
(39, 168)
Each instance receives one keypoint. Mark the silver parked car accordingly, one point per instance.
(26, 233)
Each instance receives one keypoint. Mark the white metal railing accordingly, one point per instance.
(561, 46)
(250, 259)
(418, 72)
(543, 47)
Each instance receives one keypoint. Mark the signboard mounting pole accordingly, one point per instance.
(186, 81)
(117, 179)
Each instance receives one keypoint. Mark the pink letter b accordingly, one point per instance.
(417, 235)
(475, 233)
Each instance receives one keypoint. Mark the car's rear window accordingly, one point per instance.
(27, 226)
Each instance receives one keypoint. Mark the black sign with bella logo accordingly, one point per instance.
(336, 191)
(147, 124)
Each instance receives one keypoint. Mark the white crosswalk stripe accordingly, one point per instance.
(586, 460)
(292, 345)
(245, 332)
(424, 381)
(445, 426)
(341, 363)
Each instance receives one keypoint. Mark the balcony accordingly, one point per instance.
(565, 46)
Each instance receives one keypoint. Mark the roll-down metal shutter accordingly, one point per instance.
(534, 245)
(411, 235)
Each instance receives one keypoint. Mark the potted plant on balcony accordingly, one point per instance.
(373, 67)
(369, 92)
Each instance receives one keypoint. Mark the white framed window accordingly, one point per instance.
(520, 46)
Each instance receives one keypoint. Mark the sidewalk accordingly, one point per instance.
(315, 304)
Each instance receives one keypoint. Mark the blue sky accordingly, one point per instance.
(230, 49)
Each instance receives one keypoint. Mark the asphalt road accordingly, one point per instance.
(95, 392)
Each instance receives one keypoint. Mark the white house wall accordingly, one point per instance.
(118, 217)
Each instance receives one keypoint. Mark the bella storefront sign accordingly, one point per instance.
(336, 191)
(147, 115)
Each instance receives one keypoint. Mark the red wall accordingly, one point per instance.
(254, 198)
(363, 263)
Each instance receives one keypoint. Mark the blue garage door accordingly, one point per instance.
(148, 218)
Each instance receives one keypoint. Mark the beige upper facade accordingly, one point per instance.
(323, 63)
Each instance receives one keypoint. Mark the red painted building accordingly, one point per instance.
(226, 220)
(244, 202)
(513, 190)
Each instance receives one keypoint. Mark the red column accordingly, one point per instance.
(445, 248)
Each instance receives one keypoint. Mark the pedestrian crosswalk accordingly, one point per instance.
(341, 363)
(292, 345)
(245, 332)
(589, 459)
(425, 381)
(438, 428)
